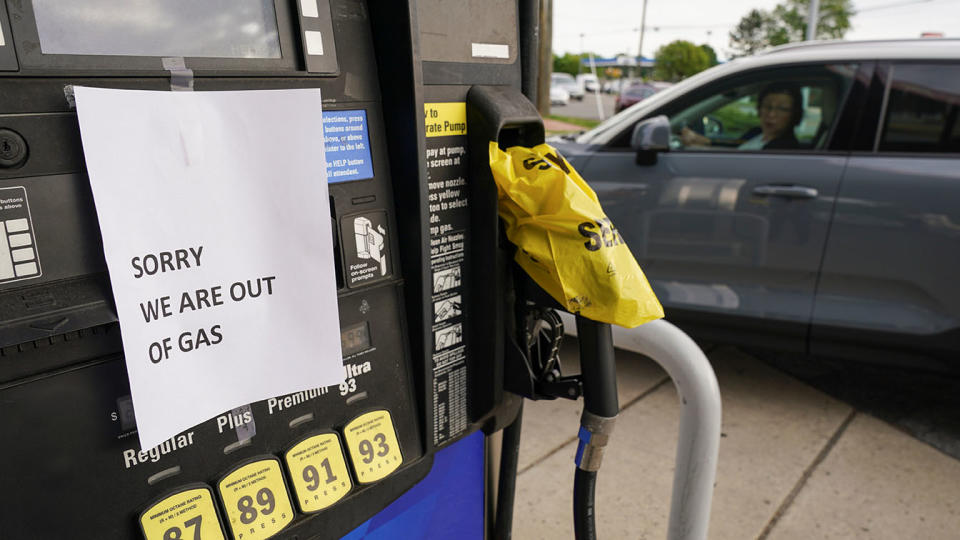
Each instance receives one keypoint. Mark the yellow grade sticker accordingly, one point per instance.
(256, 501)
(185, 515)
(319, 472)
(372, 443)
(444, 119)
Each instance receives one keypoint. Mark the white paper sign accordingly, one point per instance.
(215, 219)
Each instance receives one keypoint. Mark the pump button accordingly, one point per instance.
(372, 443)
(188, 513)
(255, 499)
(318, 472)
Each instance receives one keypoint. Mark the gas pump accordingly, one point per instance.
(441, 336)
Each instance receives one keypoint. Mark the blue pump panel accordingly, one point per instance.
(448, 503)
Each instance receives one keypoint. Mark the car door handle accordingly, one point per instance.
(793, 192)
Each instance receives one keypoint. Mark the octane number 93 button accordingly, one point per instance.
(255, 498)
(318, 472)
(372, 443)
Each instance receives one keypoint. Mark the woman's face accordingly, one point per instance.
(775, 116)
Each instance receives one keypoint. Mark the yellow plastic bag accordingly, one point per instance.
(566, 242)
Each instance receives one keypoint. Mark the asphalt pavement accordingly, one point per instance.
(586, 108)
(795, 462)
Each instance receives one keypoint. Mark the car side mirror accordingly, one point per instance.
(649, 138)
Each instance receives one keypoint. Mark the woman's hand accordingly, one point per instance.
(690, 137)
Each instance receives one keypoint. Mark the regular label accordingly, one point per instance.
(256, 501)
(372, 443)
(318, 471)
(186, 515)
(18, 246)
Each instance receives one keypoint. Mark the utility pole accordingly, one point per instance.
(580, 61)
(643, 25)
(812, 19)
(545, 56)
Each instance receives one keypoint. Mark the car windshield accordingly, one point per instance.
(562, 78)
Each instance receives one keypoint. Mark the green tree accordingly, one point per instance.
(787, 23)
(568, 63)
(711, 54)
(750, 34)
(679, 59)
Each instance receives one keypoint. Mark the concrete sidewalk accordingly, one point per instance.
(794, 463)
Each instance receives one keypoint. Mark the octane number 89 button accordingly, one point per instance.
(255, 498)
(372, 443)
(184, 515)
(318, 472)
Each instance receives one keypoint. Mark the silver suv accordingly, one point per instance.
(804, 199)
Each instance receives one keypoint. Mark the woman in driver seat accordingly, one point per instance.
(780, 110)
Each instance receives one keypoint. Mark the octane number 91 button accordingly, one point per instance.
(372, 443)
(318, 472)
(255, 498)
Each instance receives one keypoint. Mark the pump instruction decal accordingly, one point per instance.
(221, 259)
(18, 244)
(347, 144)
(365, 248)
(446, 130)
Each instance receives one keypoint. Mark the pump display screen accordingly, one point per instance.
(208, 29)
(354, 339)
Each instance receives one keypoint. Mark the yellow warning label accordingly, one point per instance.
(372, 443)
(319, 472)
(444, 119)
(256, 501)
(187, 514)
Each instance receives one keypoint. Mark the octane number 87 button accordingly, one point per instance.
(372, 443)
(318, 472)
(255, 498)
(188, 513)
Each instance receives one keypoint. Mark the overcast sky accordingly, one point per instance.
(612, 26)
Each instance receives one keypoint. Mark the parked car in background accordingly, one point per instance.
(633, 94)
(558, 96)
(589, 82)
(840, 240)
(568, 83)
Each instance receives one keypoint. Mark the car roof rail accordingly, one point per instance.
(825, 43)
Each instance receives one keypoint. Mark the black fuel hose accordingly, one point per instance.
(584, 484)
(598, 372)
(506, 492)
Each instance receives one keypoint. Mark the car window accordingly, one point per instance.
(787, 109)
(922, 110)
(726, 115)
